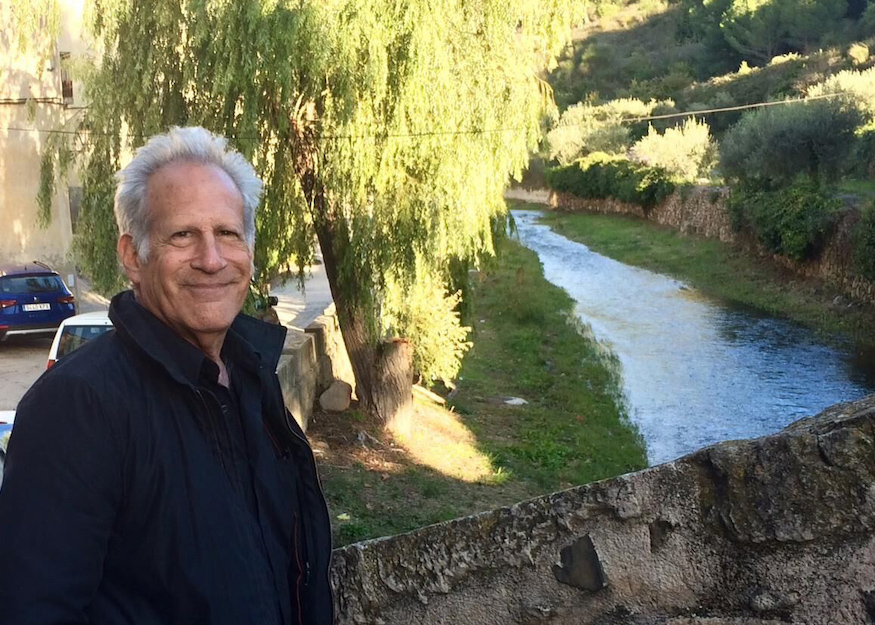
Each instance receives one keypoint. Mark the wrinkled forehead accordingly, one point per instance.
(193, 190)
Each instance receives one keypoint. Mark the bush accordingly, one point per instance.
(858, 53)
(603, 176)
(864, 243)
(585, 128)
(794, 221)
(771, 147)
(863, 158)
(686, 152)
(423, 308)
(858, 87)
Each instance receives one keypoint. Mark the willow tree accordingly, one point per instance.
(387, 129)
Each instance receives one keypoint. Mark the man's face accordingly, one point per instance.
(198, 269)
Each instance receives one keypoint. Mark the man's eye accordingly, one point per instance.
(181, 236)
(229, 233)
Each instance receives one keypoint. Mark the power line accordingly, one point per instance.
(437, 133)
(724, 109)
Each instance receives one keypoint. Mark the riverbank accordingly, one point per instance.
(480, 452)
(719, 270)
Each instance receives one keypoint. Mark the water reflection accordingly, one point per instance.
(695, 371)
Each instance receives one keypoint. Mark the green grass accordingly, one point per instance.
(720, 270)
(858, 187)
(572, 431)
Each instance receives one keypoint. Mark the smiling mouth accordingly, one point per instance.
(223, 285)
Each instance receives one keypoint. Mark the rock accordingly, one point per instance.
(337, 397)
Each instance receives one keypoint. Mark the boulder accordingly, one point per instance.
(337, 397)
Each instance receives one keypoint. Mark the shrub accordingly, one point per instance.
(686, 152)
(858, 86)
(863, 158)
(425, 309)
(864, 242)
(585, 128)
(793, 221)
(770, 147)
(858, 53)
(603, 176)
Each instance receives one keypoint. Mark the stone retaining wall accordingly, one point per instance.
(776, 529)
(310, 362)
(702, 211)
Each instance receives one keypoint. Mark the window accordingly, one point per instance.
(66, 81)
(74, 194)
(30, 284)
(74, 337)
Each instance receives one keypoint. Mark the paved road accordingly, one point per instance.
(23, 359)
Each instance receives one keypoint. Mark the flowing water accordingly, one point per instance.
(696, 371)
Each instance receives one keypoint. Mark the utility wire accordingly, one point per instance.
(436, 133)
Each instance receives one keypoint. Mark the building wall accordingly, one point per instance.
(32, 104)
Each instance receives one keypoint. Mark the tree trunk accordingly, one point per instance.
(383, 369)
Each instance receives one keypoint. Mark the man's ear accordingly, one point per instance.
(130, 259)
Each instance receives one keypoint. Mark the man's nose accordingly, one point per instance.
(209, 256)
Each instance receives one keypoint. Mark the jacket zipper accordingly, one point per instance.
(312, 460)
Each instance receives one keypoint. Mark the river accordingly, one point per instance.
(696, 371)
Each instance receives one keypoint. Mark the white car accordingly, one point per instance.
(7, 417)
(74, 332)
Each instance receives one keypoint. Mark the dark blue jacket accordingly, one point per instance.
(114, 511)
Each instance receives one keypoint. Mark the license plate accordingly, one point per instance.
(33, 307)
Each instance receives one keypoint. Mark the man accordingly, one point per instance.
(154, 476)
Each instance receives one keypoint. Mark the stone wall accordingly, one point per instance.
(702, 211)
(310, 362)
(776, 529)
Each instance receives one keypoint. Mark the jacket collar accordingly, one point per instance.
(182, 360)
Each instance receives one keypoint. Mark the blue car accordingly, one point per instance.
(33, 300)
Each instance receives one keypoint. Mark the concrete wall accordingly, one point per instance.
(777, 529)
(310, 362)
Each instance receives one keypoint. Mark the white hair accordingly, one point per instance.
(192, 144)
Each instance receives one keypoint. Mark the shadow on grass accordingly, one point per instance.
(482, 452)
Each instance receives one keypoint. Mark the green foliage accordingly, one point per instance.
(586, 128)
(793, 221)
(686, 152)
(863, 157)
(602, 176)
(864, 242)
(34, 25)
(426, 311)
(758, 30)
(334, 103)
(867, 21)
(55, 162)
(771, 146)
(857, 89)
